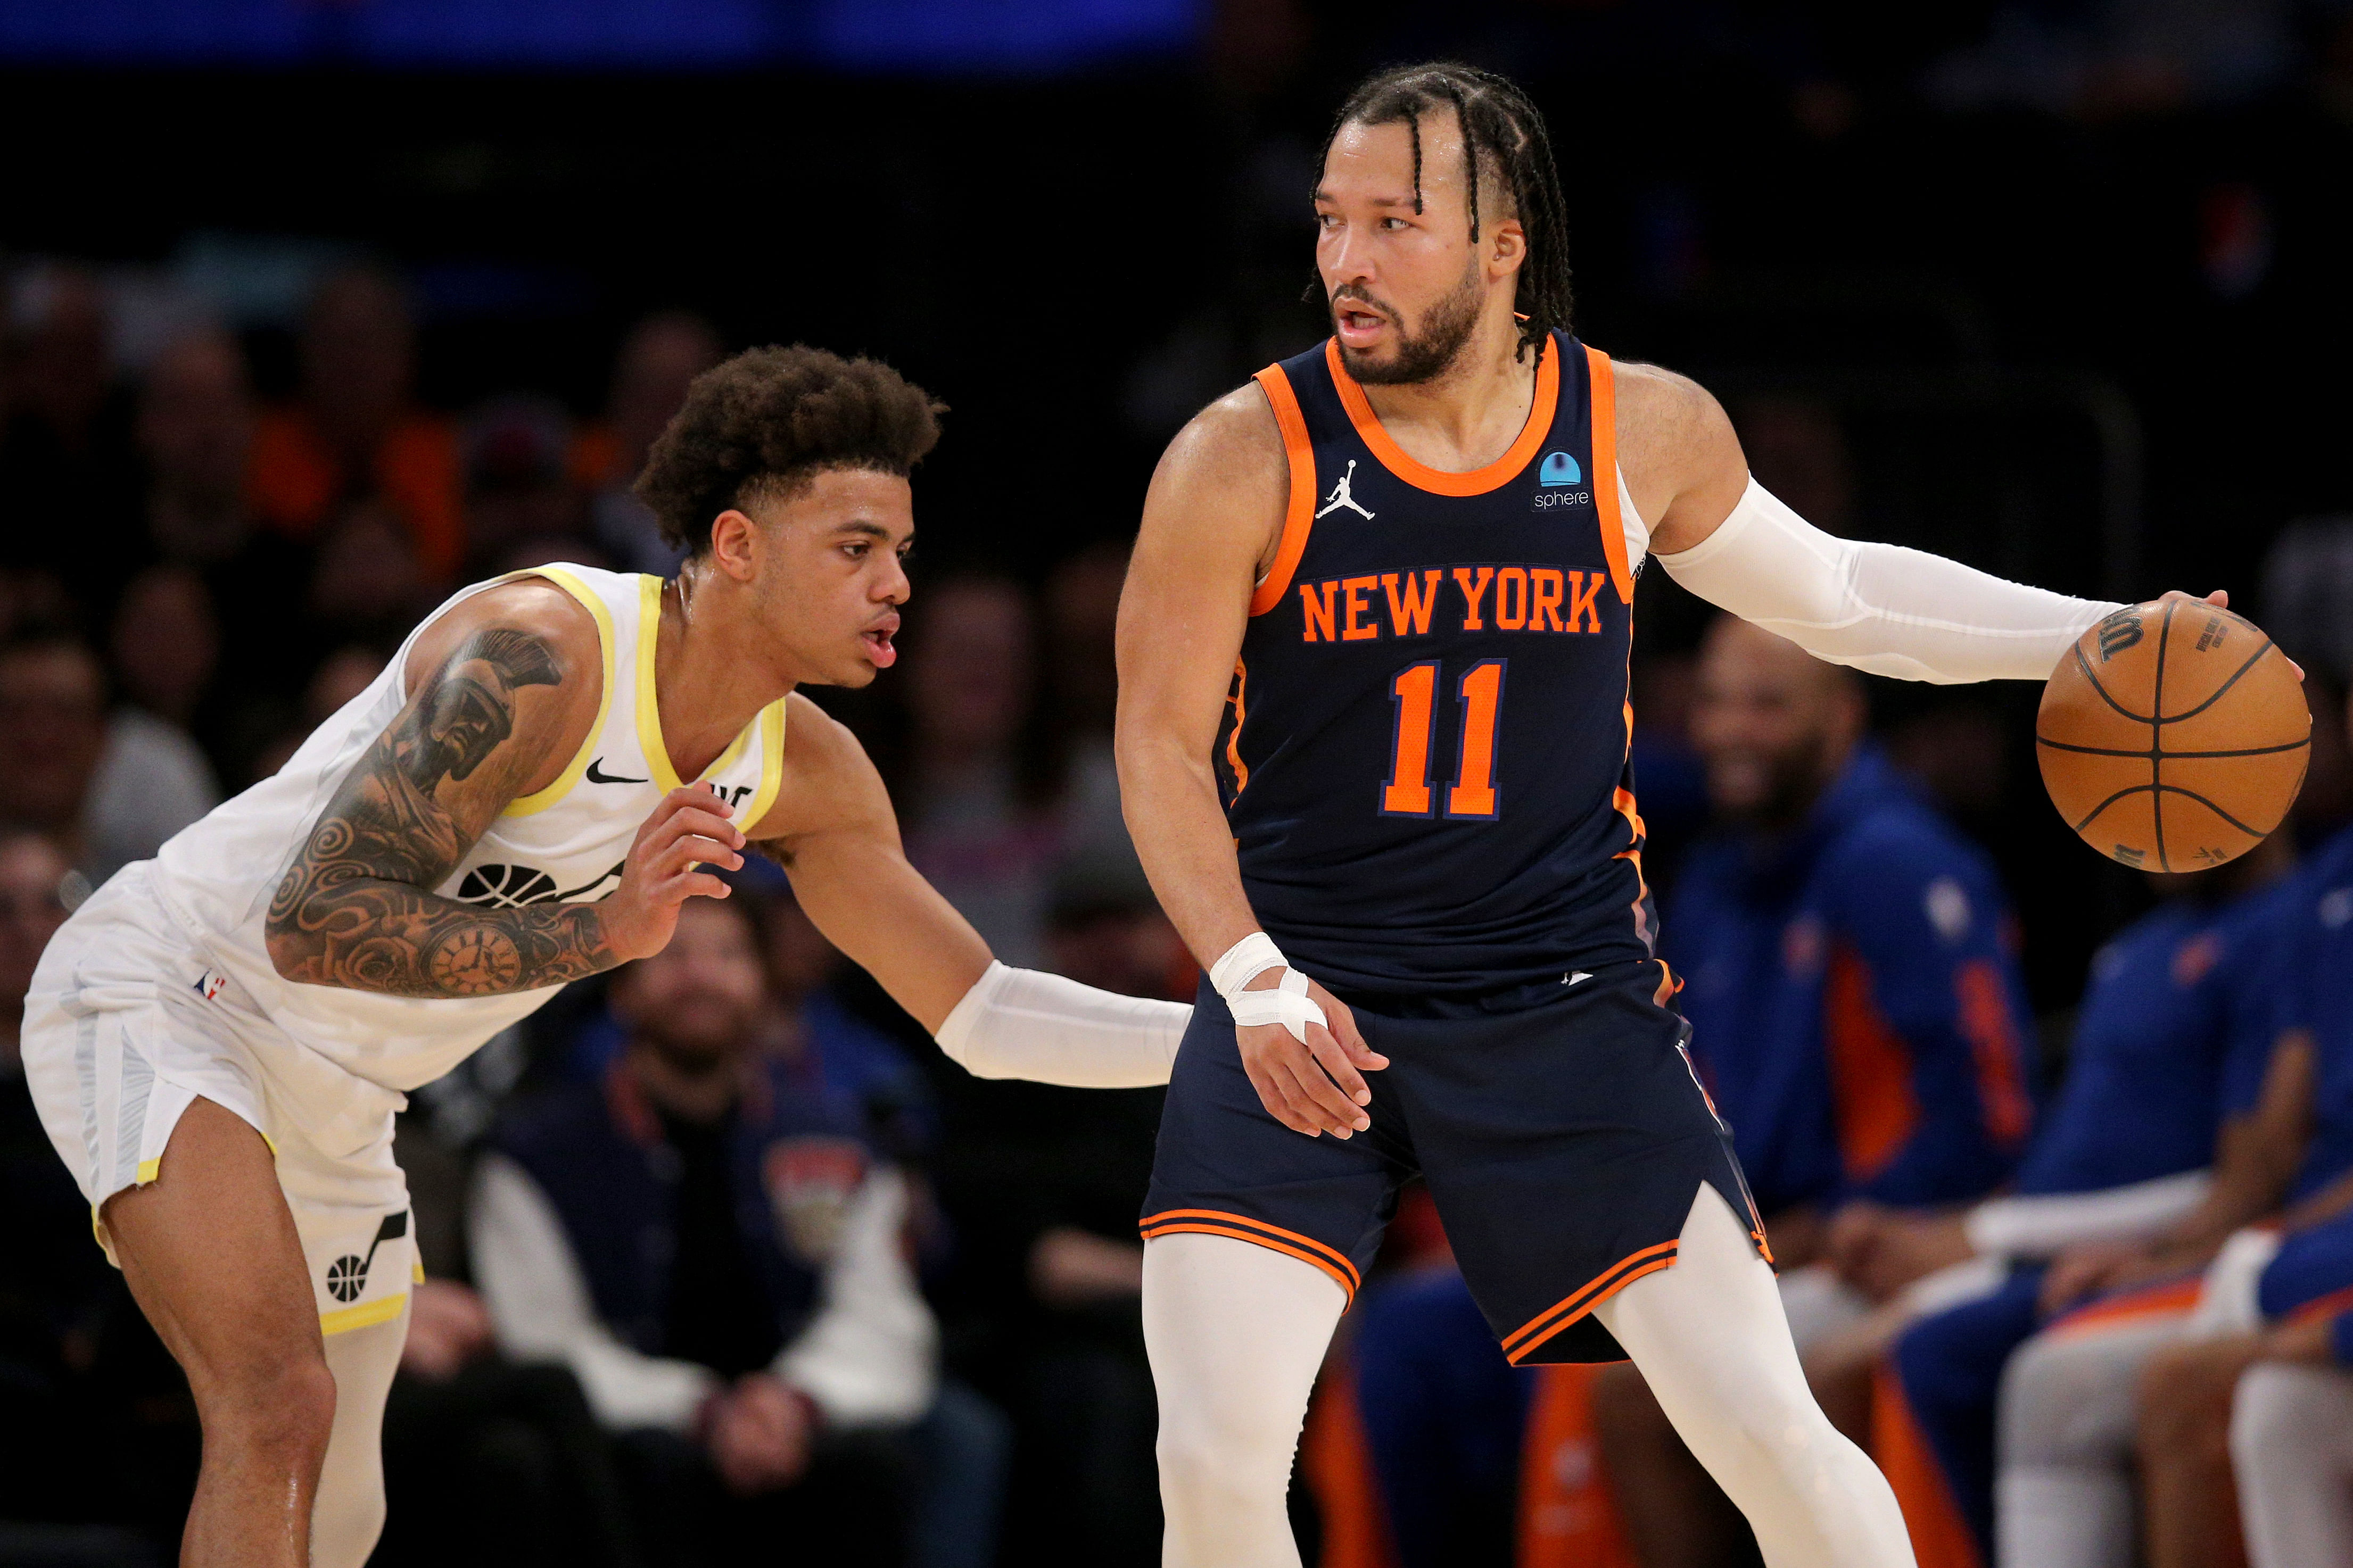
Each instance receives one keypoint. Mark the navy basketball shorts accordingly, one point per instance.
(1562, 1142)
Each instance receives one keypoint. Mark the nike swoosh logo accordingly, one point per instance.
(597, 777)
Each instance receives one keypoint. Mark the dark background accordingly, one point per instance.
(2058, 288)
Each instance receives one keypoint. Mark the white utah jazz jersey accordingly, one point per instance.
(568, 842)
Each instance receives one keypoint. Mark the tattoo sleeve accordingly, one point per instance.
(355, 911)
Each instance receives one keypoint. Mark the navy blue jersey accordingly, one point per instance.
(1424, 757)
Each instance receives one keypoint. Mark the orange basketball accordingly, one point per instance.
(2174, 735)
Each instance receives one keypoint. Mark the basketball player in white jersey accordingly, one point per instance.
(219, 1039)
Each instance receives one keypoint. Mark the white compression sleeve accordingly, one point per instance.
(1019, 1023)
(1236, 1333)
(1710, 1339)
(347, 1515)
(1877, 608)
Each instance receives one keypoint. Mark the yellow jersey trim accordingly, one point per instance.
(649, 729)
(148, 1168)
(771, 765)
(366, 1315)
(540, 801)
(415, 1272)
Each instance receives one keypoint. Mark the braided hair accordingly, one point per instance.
(1501, 129)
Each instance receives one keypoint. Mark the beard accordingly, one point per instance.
(1423, 355)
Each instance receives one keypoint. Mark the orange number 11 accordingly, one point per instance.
(1408, 791)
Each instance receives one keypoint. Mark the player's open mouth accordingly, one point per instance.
(878, 644)
(1357, 327)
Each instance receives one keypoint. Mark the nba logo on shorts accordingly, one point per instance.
(1559, 468)
(209, 984)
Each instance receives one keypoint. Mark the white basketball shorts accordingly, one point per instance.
(127, 1024)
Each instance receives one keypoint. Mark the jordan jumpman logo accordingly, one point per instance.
(1342, 496)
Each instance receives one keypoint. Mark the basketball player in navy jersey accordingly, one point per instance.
(1373, 735)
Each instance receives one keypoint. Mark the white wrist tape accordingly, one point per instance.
(1245, 962)
(1877, 608)
(1019, 1023)
(1287, 1004)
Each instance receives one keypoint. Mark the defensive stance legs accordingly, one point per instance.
(1237, 1333)
(210, 1251)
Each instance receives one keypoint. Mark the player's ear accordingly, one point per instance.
(734, 544)
(1507, 247)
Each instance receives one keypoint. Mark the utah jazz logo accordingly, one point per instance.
(512, 887)
(1342, 496)
(347, 1274)
(1559, 468)
(2120, 631)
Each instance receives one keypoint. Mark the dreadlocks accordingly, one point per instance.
(1503, 130)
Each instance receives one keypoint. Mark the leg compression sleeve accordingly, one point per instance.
(348, 1515)
(1878, 607)
(1709, 1336)
(1236, 1333)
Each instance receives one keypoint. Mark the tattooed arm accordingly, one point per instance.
(503, 690)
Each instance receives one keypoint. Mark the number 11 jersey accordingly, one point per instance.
(1425, 753)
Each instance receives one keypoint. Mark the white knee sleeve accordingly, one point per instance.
(2292, 1449)
(1710, 1340)
(348, 1515)
(1237, 1333)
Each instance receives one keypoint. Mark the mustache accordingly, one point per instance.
(1362, 296)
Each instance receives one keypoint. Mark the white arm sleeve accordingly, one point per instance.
(1878, 607)
(2047, 1225)
(869, 1355)
(541, 1310)
(1019, 1023)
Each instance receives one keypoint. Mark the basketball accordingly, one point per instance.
(2173, 737)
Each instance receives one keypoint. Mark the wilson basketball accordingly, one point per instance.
(2174, 735)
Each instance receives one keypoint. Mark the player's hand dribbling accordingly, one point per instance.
(1317, 1086)
(689, 830)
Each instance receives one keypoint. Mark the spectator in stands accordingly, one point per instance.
(976, 800)
(1857, 1017)
(368, 585)
(66, 468)
(660, 356)
(1082, 603)
(2069, 1408)
(196, 440)
(2170, 1044)
(82, 1374)
(340, 677)
(355, 431)
(829, 1046)
(719, 1259)
(107, 789)
(522, 506)
(165, 644)
(1042, 1186)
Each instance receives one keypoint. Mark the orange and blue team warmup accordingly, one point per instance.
(1424, 771)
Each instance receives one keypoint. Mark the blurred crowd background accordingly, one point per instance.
(310, 312)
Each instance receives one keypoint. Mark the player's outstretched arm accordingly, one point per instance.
(1211, 523)
(834, 831)
(502, 691)
(1877, 608)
